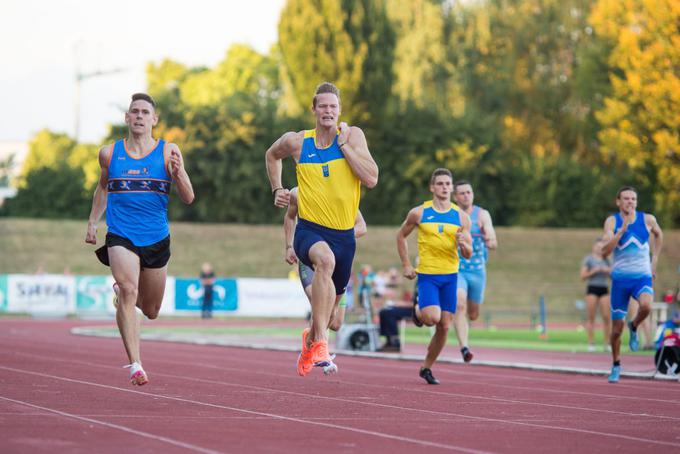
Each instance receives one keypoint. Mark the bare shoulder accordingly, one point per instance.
(356, 135)
(105, 153)
(415, 214)
(650, 221)
(609, 223)
(292, 140)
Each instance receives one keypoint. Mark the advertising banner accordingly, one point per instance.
(94, 294)
(189, 295)
(271, 298)
(3, 293)
(41, 294)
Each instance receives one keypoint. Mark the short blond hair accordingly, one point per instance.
(325, 87)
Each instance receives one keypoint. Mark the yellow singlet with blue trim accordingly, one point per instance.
(437, 246)
(328, 190)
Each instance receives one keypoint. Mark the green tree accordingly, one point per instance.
(349, 43)
(641, 118)
(51, 192)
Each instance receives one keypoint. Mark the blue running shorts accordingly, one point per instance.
(624, 289)
(341, 242)
(473, 283)
(438, 290)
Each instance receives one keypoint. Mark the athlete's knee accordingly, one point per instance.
(325, 264)
(617, 328)
(473, 311)
(128, 293)
(430, 319)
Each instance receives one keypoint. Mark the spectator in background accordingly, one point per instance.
(208, 282)
(389, 319)
(595, 271)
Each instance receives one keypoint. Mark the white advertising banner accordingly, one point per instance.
(41, 293)
(271, 298)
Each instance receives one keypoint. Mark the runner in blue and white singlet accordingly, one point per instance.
(627, 234)
(472, 274)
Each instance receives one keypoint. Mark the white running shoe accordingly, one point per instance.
(137, 375)
(591, 348)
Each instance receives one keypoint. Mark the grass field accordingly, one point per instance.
(527, 264)
(565, 340)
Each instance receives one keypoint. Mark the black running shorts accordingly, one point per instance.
(155, 255)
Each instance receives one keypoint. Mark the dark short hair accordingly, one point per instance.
(460, 183)
(625, 188)
(439, 172)
(143, 97)
(325, 87)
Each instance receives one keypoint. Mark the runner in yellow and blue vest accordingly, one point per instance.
(332, 162)
(443, 230)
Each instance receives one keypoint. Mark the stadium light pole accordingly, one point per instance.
(80, 78)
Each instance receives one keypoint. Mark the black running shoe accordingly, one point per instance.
(414, 316)
(467, 354)
(426, 374)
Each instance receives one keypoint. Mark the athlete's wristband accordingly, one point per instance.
(277, 189)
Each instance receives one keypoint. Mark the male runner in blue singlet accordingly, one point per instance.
(627, 234)
(133, 189)
(472, 272)
(332, 162)
(443, 231)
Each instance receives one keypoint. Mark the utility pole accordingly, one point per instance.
(80, 78)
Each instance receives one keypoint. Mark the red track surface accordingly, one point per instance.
(65, 393)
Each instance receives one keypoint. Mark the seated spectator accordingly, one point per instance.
(390, 316)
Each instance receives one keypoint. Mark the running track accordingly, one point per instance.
(65, 393)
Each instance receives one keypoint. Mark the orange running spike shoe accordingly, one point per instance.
(304, 362)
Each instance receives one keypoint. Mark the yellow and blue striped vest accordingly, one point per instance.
(328, 190)
(437, 246)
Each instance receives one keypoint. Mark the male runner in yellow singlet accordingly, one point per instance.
(443, 229)
(332, 162)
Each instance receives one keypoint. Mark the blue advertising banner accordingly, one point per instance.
(189, 295)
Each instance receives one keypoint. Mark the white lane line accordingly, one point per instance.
(114, 426)
(339, 399)
(252, 412)
(396, 388)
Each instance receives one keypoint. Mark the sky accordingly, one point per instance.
(42, 43)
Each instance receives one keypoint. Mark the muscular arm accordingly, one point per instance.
(288, 144)
(357, 155)
(359, 226)
(656, 232)
(179, 174)
(100, 193)
(609, 239)
(489, 231)
(410, 223)
(289, 228)
(463, 236)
